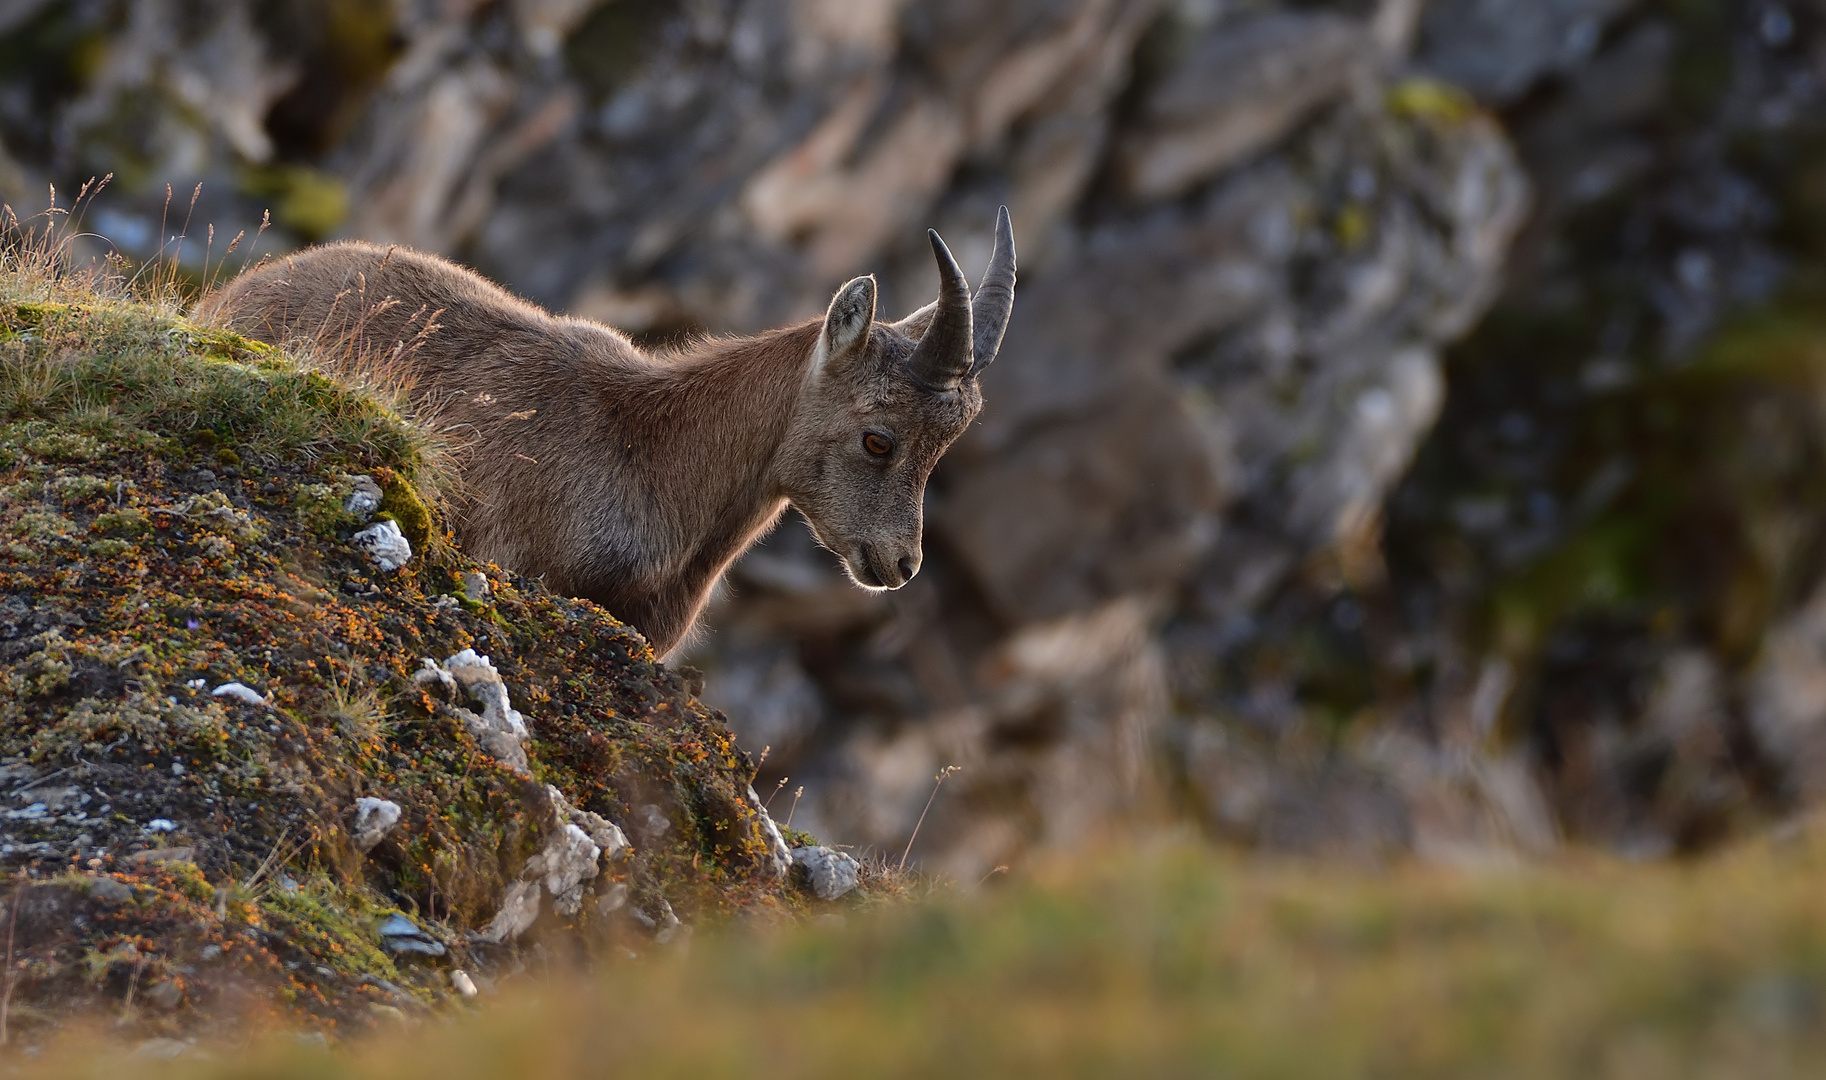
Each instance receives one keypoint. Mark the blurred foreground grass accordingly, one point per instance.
(1169, 960)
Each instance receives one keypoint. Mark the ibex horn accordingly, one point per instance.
(995, 296)
(943, 356)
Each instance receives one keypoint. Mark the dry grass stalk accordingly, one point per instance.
(261, 881)
(937, 782)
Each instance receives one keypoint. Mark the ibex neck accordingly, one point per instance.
(720, 413)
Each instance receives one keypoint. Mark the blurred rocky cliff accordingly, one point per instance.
(1265, 521)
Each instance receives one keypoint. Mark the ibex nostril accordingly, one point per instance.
(908, 567)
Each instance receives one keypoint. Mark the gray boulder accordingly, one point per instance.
(831, 873)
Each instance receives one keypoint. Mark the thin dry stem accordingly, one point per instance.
(38, 253)
(261, 881)
(126, 1008)
(937, 782)
(266, 220)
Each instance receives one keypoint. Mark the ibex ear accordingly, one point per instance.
(847, 323)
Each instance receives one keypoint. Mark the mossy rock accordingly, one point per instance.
(401, 504)
(141, 567)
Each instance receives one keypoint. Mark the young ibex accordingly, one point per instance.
(634, 479)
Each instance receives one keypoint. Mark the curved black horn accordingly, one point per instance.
(943, 356)
(995, 296)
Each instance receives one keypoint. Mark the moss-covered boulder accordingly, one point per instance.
(235, 748)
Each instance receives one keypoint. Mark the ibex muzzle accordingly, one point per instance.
(633, 479)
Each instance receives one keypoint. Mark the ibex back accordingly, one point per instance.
(632, 478)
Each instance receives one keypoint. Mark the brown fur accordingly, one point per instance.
(632, 478)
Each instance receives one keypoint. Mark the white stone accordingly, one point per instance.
(570, 857)
(477, 675)
(385, 544)
(500, 729)
(365, 499)
(519, 910)
(567, 860)
(670, 928)
(159, 824)
(604, 833)
(652, 822)
(241, 692)
(464, 985)
(832, 873)
(374, 819)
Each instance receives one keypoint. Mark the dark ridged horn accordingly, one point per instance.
(995, 296)
(943, 356)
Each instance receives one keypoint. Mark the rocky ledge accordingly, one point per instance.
(271, 744)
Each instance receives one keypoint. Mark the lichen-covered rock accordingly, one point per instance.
(399, 934)
(178, 511)
(569, 857)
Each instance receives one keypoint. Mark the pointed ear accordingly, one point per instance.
(847, 323)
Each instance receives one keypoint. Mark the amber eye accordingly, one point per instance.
(878, 444)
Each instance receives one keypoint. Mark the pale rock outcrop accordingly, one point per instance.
(564, 864)
(500, 728)
(1787, 706)
(385, 544)
(779, 854)
(571, 855)
(374, 819)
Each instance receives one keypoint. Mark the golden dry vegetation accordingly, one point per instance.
(1165, 959)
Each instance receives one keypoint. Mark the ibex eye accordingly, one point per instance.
(878, 444)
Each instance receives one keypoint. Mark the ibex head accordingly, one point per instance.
(882, 403)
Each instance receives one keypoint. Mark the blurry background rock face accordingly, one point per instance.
(1411, 434)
